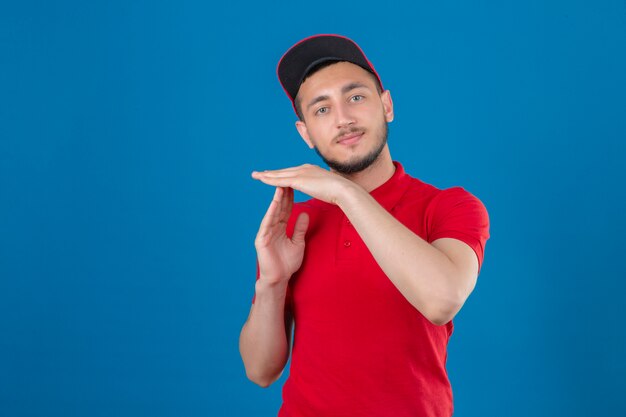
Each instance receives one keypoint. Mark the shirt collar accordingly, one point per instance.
(391, 191)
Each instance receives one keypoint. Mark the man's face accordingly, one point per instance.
(344, 117)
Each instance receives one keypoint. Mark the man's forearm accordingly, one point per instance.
(263, 342)
(426, 277)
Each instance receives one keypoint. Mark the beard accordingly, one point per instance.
(357, 164)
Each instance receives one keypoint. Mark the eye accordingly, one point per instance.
(357, 97)
(322, 110)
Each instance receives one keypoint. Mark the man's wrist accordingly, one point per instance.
(348, 194)
(270, 289)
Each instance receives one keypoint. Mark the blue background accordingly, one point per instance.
(128, 131)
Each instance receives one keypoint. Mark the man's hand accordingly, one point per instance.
(265, 338)
(279, 257)
(309, 179)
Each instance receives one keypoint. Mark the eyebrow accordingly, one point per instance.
(344, 90)
(352, 86)
(316, 100)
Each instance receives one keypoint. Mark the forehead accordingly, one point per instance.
(335, 76)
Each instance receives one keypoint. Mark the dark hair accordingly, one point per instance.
(315, 69)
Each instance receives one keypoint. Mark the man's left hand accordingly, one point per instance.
(309, 179)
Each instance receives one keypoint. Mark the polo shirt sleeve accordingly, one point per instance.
(460, 215)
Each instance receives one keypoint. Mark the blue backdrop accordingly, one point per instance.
(128, 131)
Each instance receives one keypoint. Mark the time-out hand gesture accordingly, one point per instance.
(279, 256)
(310, 179)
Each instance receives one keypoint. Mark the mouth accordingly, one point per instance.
(350, 138)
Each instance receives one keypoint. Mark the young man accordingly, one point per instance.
(371, 270)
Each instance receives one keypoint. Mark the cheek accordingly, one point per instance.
(320, 136)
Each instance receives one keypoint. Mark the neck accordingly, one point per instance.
(376, 174)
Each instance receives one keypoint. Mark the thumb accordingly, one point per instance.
(299, 230)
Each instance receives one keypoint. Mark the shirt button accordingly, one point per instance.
(347, 243)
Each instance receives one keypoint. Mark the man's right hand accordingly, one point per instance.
(279, 256)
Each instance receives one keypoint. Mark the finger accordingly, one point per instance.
(272, 213)
(267, 171)
(283, 173)
(278, 182)
(299, 230)
(260, 174)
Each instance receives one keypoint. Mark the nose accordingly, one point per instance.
(344, 116)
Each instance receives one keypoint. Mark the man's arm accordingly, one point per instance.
(265, 337)
(435, 278)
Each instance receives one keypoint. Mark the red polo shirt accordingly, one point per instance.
(360, 348)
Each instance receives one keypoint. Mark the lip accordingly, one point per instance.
(350, 139)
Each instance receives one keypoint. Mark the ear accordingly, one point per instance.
(304, 133)
(387, 105)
